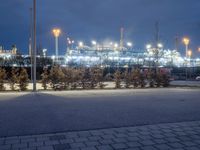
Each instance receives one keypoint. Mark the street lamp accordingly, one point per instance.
(186, 41)
(56, 33)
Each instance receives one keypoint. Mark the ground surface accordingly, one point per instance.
(171, 136)
(47, 112)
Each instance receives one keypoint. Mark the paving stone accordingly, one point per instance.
(145, 137)
(133, 138)
(189, 143)
(84, 134)
(120, 140)
(92, 143)
(133, 144)
(148, 148)
(104, 147)
(48, 143)
(158, 136)
(83, 139)
(45, 148)
(176, 145)
(57, 137)
(94, 138)
(163, 147)
(89, 148)
(66, 141)
(192, 148)
(172, 139)
(34, 144)
(12, 141)
(160, 141)
(108, 141)
(61, 147)
(184, 138)
(119, 146)
(77, 145)
(147, 142)
(121, 135)
(30, 148)
(5, 147)
(21, 145)
(25, 140)
(108, 136)
(97, 133)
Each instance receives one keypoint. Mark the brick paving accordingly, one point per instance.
(170, 136)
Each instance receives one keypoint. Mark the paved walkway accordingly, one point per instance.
(170, 136)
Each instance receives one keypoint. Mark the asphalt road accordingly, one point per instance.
(47, 112)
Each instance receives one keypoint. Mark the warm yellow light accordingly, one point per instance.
(186, 41)
(199, 49)
(56, 32)
(189, 53)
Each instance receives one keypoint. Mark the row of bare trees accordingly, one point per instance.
(16, 78)
(90, 78)
(72, 78)
(66, 78)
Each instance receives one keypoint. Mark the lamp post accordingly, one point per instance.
(34, 46)
(186, 42)
(56, 33)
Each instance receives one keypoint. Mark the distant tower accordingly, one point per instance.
(176, 43)
(157, 34)
(121, 38)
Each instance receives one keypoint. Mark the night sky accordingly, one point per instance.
(100, 20)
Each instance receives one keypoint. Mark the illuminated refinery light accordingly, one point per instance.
(80, 44)
(94, 43)
(56, 32)
(189, 53)
(129, 44)
(148, 46)
(115, 45)
(160, 45)
(53, 57)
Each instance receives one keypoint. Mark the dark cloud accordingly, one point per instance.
(100, 19)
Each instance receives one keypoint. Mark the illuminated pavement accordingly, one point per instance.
(49, 112)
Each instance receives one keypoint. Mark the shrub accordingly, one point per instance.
(23, 79)
(2, 78)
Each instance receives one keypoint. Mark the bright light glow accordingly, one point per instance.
(94, 43)
(53, 57)
(80, 44)
(129, 44)
(56, 32)
(199, 49)
(186, 41)
(115, 45)
(160, 45)
(189, 53)
(148, 46)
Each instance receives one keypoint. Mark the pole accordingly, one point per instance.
(30, 42)
(34, 47)
(186, 50)
(56, 44)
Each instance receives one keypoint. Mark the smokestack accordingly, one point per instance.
(121, 38)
